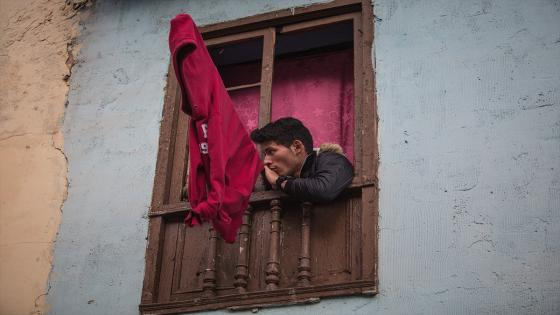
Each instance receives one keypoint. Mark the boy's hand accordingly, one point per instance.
(271, 176)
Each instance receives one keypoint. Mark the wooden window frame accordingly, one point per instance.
(172, 155)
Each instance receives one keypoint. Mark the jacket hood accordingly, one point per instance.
(331, 147)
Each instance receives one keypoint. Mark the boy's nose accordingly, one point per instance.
(267, 160)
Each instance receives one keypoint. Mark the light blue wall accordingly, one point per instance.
(468, 99)
(470, 206)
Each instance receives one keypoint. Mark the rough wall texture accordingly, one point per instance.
(469, 143)
(469, 101)
(35, 38)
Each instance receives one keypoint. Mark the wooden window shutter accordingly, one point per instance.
(287, 252)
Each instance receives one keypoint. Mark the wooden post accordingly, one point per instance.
(273, 266)
(242, 267)
(265, 108)
(209, 281)
(304, 268)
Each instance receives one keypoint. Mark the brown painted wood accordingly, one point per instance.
(180, 157)
(307, 25)
(273, 265)
(304, 267)
(254, 299)
(370, 97)
(227, 256)
(234, 38)
(358, 99)
(267, 71)
(180, 253)
(369, 154)
(350, 229)
(354, 213)
(290, 245)
(256, 307)
(325, 230)
(209, 281)
(369, 236)
(153, 261)
(258, 255)
(168, 259)
(329, 243)
(257, 198)
(242, 267)
(160, 191)
(343, 241)
(172, 152)
(241, 87)
(280, 17)
(266, 196)
(369, 117)
(170, 108)
(191, 260)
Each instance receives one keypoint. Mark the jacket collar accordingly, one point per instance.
(306, 168)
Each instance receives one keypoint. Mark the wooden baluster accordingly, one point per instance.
(209, 281)
(273, 266)
(304, 268)
(242, 267)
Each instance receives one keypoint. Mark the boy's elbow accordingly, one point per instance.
(329, 194)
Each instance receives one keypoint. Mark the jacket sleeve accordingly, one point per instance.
(197, 185)
(333, 174)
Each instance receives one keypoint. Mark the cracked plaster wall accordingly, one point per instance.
(469, 145)
(35, 39)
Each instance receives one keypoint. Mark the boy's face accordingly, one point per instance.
(285, 161)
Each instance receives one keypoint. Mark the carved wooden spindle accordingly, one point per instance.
(242, 268)
(209, 281)
(273, 266)
(304, 268)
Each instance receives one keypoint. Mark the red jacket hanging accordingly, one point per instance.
(224, 163)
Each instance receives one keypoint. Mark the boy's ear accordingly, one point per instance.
(298, 146)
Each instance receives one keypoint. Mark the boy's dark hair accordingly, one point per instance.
(284, 131)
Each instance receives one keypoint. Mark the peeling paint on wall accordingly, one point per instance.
(34, 49)
(468, 95)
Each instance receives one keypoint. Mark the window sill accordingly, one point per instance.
(256, 199)
(260, 299)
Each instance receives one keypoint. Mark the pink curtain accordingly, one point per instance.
(246, 103)
(317, 89)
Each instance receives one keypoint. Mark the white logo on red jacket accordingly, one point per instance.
(204, 145)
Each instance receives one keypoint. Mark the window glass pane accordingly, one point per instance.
(318, 38)
(317, 85)
(246, 102)
(239, 65)
(240, 74)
